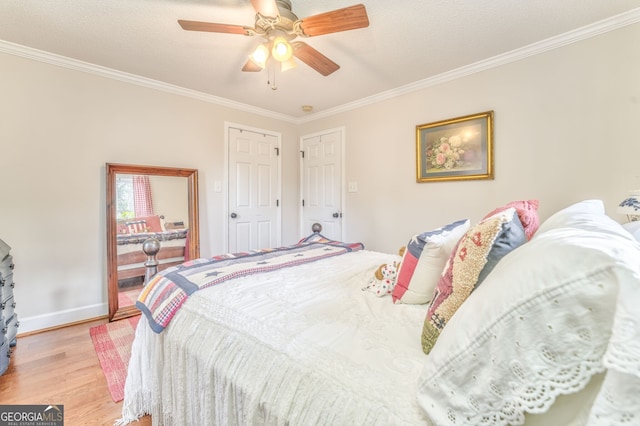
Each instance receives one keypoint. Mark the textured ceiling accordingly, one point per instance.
(407, 41)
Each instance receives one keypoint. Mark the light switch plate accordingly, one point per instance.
(353, 186)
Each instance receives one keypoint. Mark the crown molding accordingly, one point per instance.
(74, 64)
(597, 28)
(574, 36)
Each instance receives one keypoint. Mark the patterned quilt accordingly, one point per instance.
(123, 239)
(163, 296)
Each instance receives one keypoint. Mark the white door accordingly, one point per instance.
(253, 219)
(322, 193)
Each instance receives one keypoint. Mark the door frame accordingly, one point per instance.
(225, 183)
(343, 208)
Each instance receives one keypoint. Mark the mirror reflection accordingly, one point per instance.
(148, 206)
(146, 202)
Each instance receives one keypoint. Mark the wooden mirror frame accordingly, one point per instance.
(116, 312)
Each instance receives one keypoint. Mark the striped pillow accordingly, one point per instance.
(423, 262)
(137, 226)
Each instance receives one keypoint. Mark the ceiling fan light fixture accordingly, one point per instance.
(288, 65)
(260, 55)
(282, 50)
(279, 26)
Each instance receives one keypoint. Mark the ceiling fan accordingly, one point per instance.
(280, 26)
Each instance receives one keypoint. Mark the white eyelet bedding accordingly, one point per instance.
(306, 346)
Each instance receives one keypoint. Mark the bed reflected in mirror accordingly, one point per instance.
(147, 202)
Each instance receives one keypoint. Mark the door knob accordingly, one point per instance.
(233, 215)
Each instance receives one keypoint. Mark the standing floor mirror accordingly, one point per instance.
(147, 202)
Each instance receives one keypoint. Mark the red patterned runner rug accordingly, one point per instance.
(112, 342)
(128, 297)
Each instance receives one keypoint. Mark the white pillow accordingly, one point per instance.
(537, 327)
(574, 215)
(633, 228)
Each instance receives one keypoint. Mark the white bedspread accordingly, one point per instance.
(326, 354)
(306, 346)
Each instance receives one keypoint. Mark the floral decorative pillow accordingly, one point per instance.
(423, 261)
(527, 213)
(477, 253)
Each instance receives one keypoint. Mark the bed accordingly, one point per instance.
(542, 330)
(132, 233)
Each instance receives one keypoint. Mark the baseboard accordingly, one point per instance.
(38, 323)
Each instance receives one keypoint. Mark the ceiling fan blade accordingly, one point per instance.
(266, 7)
(251, 66)
(213, 27)
(348, 18)
(314, 59)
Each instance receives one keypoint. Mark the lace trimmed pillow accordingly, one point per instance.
(477, 253)
(541, 325)
(423, 262)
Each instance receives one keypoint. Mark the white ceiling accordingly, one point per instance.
(406, 43)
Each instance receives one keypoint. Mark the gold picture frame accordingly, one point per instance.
(456, 149)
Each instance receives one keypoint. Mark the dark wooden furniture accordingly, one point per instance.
(8, 317)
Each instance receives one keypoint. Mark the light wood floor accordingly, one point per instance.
(60, 367)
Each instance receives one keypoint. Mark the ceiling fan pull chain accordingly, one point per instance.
(268, 74)
(271, 80)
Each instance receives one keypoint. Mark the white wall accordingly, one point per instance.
(170, 196)
(566, 128)
(58, 129)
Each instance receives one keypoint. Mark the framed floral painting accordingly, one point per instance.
(456, 149)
